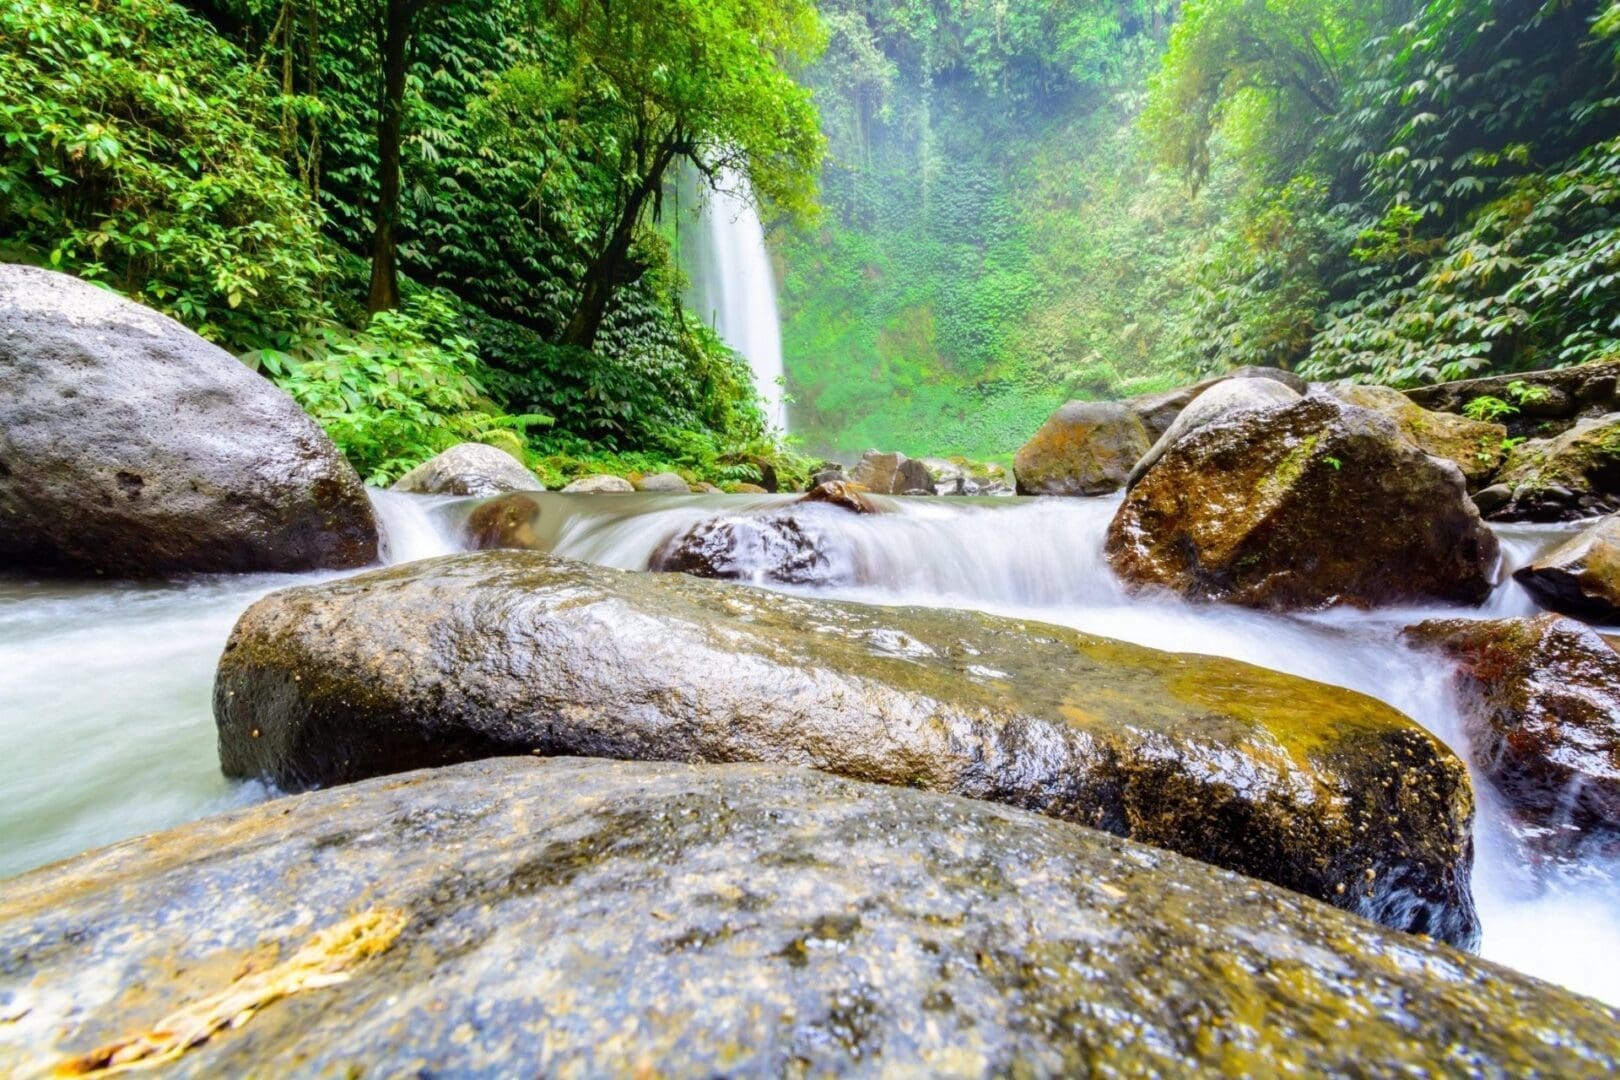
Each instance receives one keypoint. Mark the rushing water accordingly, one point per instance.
(106, 729)
(733, 288)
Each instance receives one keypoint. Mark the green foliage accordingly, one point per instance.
(1486, 407)
(138, 150)
(404, 388)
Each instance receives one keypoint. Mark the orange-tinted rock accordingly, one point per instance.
(1085, 448)
(1541, 707)
(1301, 506)
(1580, 577)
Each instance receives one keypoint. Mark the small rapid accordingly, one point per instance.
(106, 727)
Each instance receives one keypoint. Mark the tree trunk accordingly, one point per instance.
(396, 33)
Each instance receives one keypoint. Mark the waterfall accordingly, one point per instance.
(732, 287)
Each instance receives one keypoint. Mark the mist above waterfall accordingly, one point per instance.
(731, 286)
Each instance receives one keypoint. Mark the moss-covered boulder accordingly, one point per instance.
(606, 918)
(1564, 478)
(1474, 446)
(1302, 506)
(469, 469)
(131, 447)
(1225, 399)
(1580, 577)
(1541, 707)
(1085, 448)
(1309, 786)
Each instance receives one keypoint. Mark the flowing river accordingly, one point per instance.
(106, 728)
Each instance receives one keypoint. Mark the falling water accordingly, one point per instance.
(732, 287)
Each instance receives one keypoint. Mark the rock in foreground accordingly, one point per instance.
(1541, 711)
(1303, 506)
(1580, 577)
(130, 446)
(469, 469)
(1308, 786)
(600, 918)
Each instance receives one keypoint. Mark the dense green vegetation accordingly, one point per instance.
(228, 163)
(433, 220)
(1031, 202)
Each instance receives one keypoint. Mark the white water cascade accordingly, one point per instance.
(732, 286)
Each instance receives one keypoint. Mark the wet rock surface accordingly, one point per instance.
(469, 469)
(1224, 399)
(1312, 787)
(1570, 476)
(606, 918)
(842, 494)
(1302, 506)
(1085, 448)
(507, 521)
(129, 446)
(1580, 577)
(796, 546)
(1473, 446)
(1541, 708)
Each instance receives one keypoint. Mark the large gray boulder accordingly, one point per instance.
(469, 469)
(1299, 506)
(130, 446)
(599, 485)
(1226, 398)
(1313, 787)
(589, 918)
(1085, 448)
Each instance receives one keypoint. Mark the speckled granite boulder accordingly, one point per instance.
(470, 469)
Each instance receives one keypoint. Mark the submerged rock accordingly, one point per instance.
(1475, 447)
(507, 521)
(469, 469)
(1309, 786)
(1301, 506)
(784, 546)
(1225, 399)
(1580, 577)
(842, 494)
(607, 918)
(1565, 478)
(1085, 448)
(1541, 711)
(599, 485)
(130, 446)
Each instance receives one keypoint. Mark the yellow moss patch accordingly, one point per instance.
(324, 961)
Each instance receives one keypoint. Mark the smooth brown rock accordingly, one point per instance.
(1085, 448)
(1309, 786)
(129, 446)
(1580, 577)
(1541, 704)
(508, 521)
(1303, 506)
(1225, 399)
(890, 473)
(843, 494)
